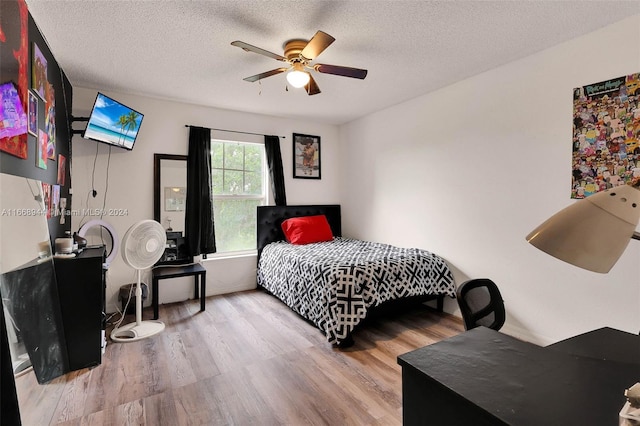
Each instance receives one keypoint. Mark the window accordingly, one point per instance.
(239, 185)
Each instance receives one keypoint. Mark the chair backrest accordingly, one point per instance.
(481, 303)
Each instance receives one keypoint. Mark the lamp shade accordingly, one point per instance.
(591, 233)
(298, 78)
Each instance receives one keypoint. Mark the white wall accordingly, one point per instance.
(465, 172)
(469, 170)
(130, 178)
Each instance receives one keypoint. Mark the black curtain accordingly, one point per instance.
(274, 159)
(199, 229)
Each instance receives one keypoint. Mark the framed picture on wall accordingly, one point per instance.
(39, 77)
(41, 145)
(306, 156)
(33, 114)
(62, 169)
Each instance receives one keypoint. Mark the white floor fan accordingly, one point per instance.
(142, 246)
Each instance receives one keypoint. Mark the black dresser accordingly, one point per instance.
(81, 292)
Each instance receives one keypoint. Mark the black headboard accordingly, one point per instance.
(270, 219)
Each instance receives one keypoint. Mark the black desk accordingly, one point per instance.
(483, 377)
(604, 343)
(165, 272)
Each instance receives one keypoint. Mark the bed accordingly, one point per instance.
(336, 284)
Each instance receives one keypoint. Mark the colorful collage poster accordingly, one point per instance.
(606, 135)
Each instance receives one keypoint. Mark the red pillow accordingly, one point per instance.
(307, 229)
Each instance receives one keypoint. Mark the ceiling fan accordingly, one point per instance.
(298, 54)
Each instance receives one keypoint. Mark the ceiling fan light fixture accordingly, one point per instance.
(298, 78)
(298, 54)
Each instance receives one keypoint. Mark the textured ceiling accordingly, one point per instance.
(180, 50)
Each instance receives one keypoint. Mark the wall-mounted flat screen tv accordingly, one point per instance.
(113, 123)
(13, 118)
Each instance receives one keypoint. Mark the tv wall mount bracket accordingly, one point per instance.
(78, 131)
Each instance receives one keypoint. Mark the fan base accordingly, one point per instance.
(136, 331)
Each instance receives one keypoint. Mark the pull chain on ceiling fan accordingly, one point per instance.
(299, 54)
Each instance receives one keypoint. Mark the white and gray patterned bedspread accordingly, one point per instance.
(334, 283)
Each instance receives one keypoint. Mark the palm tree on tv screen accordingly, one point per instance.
(127, 122)
(122, 121)
(131, 121)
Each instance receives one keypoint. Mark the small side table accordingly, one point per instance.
(164, 272)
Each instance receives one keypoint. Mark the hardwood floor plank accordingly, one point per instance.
(72, 401)
(97, 418)
(139, 372)
(38, 402)
(342, 374)
(247, 360)
(180, 372)
(348, 405)
(199, 354)
(131, 413)
(275, 394)
(195, 405)
(102, 391)
(160, 409)
(301, 396)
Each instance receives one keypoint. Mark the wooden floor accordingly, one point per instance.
(247, 359)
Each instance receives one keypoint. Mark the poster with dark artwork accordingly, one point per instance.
(33, 114)
(39, 72)
(14, 57)
(41, 154)
(606, 135)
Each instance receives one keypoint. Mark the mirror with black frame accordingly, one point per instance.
(169, 198)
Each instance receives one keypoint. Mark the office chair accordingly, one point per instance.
(481, 303)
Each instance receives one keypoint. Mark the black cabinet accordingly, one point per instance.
(81, 292)
(176, 251)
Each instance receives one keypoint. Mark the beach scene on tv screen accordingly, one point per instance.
(113, 123)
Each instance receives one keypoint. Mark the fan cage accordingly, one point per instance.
(143, 244)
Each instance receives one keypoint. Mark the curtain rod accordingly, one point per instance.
(234, 131)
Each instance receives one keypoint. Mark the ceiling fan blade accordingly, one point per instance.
(316, 45)
(312, 87)
(249, 48)
(266, 74)
(343, 71)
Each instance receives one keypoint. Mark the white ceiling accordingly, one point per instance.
(180, 50)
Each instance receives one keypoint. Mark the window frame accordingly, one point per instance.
(265, 195)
